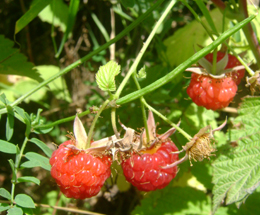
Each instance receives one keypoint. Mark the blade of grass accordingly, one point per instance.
(35, 9)
(73, 9)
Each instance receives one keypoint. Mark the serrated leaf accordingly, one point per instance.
(24, 200)
(36, 7)
(14, 63)
(5, 193)
(7, 147)
(29, 179)
(106, 76)
(42, 146)
(237, 173)
(36, 160)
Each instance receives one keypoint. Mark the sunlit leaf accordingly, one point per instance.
(106, 76)
(24, 200)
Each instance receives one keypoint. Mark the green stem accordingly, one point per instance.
(17, 164)
(193, 59)
(68, 119)
(186, 135)
(142, 51)
(113, 121)
(87, 57)
(142, 100)
(90, 133)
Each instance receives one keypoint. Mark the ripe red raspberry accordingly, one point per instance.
(211, 93)
(79, 174)
(144, 171)
(232, 62)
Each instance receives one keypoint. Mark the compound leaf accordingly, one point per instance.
(237, 173)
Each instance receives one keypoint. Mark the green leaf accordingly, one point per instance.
(7, 147)
(142, 73)
(15, 211)
(24, 200)
(73, 9)
(29, 179)
(26, 118)
(14, 63)
(55, 13)
(3, 99)
(36, 7)
(188, 37)
(174, 201)
(12, 165)
(128, 3)
(5, 193)
(4, 207)
(237, 173)
(58, 87)
(9, 123)
(36, 160)
(42, 146)
(106, 76)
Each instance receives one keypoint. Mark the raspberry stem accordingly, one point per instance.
(142, 100)
(184, 133)
(143, 49)
(90, 133)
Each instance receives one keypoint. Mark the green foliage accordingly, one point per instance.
(14, 63)
(35, 160)
(185, 41)
(56, 14)
(106, 76)
(236, 173)
(24, 200)
(29, 110)
(36, 7)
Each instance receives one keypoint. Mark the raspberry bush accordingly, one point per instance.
(129, 107)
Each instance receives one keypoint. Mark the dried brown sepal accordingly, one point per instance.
(199, 147)
(253, 82)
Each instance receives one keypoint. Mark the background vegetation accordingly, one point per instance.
(50, 53)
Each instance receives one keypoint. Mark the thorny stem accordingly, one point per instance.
(142, 100)
(145, 46)
(90, 133)
(186, 135)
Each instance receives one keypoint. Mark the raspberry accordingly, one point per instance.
(79, 174)
(211, 93)
(144, 170)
